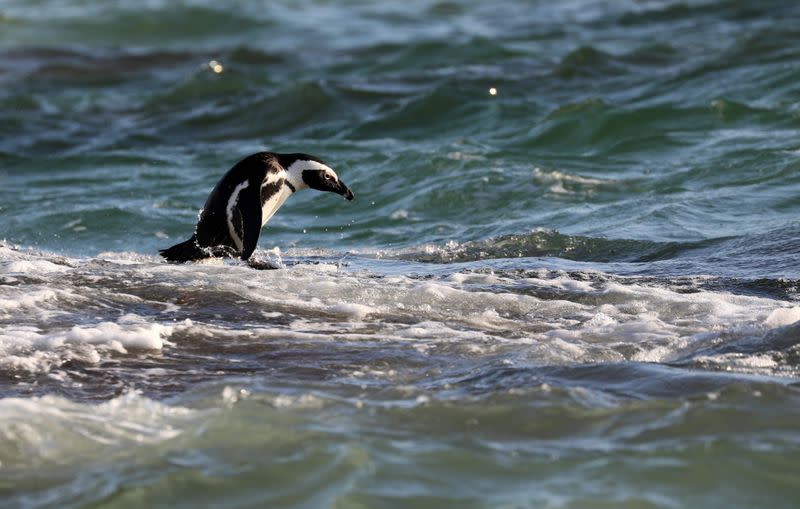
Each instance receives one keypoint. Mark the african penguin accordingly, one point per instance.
(246, 198)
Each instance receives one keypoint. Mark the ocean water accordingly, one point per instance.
(569, 278)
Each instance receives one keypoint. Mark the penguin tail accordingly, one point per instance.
(185, 251)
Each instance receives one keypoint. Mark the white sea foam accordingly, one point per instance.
(782, 317)
(47, 429)
(33, 267)
(31, 349)
(126, 257)
(119, 337)
(17, 298)
(556, 181)
(557, 317)
(352, 310)
(738, 362)
(623, 313)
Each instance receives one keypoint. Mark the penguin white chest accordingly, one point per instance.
(273, 195)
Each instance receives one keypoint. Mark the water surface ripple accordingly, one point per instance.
(569, 279)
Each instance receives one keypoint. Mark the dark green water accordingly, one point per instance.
(569, 279)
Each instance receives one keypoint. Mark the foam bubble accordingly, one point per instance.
(782, 317)
(120, 336)
(34, 267)
(21, 298)
(745, 363)
(352, 310)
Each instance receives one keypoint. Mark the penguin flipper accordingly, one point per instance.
(250, 210)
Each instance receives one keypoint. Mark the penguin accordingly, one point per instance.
(246, 198)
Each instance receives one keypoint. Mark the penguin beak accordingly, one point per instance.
(344, 191)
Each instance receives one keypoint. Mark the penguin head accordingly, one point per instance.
(309, 171)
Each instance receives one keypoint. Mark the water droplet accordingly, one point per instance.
(215, 66)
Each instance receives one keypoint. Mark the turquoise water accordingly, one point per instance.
(569, 278)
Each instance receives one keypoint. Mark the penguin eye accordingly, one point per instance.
(328, 177)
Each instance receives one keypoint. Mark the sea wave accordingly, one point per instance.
(251, 437)
(63, 317)
(550, 243)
